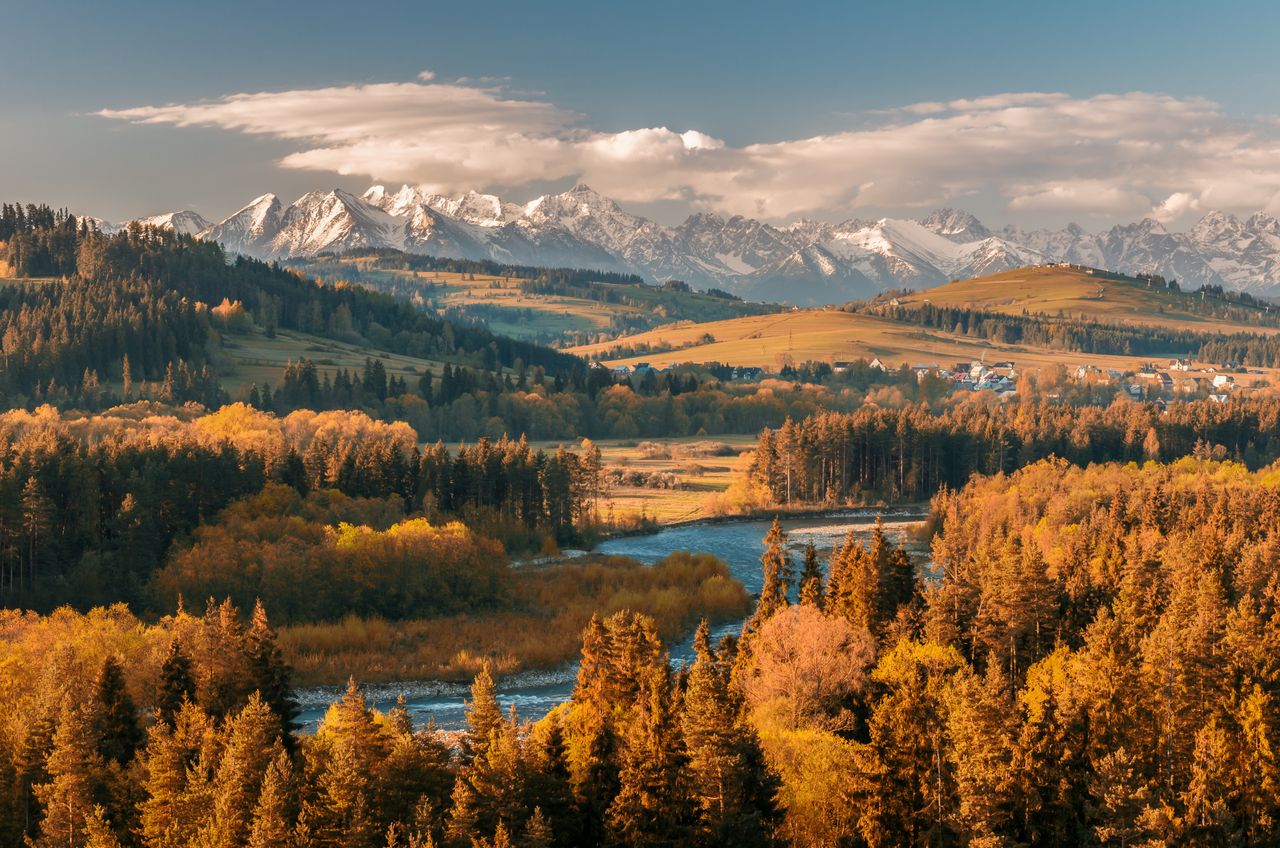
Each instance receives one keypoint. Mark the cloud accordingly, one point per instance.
(1110, 155)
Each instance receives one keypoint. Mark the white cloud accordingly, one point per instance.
(1111, 155)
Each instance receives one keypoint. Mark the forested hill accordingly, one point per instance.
(82, 308)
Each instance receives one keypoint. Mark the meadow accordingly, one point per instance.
(541, 628)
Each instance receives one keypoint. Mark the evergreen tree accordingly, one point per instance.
(652, 807)
(484, 716)
(177, 686)
(778, 573)
(76, 783)
(721, 755)
(252, 745)
(270, 827)
(271, 674)
(98, 832)
(811, 578)
(116, 717)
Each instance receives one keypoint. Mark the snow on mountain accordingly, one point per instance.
(802, 262)
(957, 225)
(1245, 254)
(186, 222)
(333, 221)
(248, 228)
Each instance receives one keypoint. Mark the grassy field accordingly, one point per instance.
(770, 341)
(702, 476)
(255, 358)
(504, 305)
(1075, 293)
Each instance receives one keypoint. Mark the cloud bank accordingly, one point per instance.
(1112, 155)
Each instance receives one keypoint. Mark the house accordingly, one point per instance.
(1224, 381)
(876, 363)
(1219, 398)
(747, 373)
(1180, 365)
(622, 370)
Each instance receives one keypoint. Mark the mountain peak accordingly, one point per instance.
(956, 225)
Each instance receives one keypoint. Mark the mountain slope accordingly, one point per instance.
(802, 262)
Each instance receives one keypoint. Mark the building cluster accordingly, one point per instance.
(1178, 377)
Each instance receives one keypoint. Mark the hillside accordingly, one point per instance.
(827, 335)
(1087, 294)
(550, 306)
(803, 262)
(148, 312)
(832, 335)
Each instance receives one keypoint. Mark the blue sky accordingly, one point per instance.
(757, 82)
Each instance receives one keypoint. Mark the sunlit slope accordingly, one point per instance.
(1082, 294)
(769, 341)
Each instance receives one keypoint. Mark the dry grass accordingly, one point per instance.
(626, 504)
(255, 358)
(544, 629)
(1077, 294)
(770, 341)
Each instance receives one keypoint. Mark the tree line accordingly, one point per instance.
(90, 508)
(911, 452)
(145, 291)
(1091, 336)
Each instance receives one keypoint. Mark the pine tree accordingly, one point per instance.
(97, 830)
(177, 686)
(270, 827)
(811, 578)
(721, 755)
(76, 781)
(115, 715)
(271, 674)
(484, 716)
(778, 574)
(651, 807)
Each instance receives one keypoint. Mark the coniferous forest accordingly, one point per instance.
(1085, 656)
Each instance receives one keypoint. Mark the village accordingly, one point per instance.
(1177, 379)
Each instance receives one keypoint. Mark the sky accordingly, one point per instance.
(1034, 113)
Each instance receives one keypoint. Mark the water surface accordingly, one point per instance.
(738, 543)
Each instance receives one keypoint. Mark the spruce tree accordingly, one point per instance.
(270, 827)
(778, 574)
(177, 685)
(97, 830)
(252, 744)
(116, 717)
(652, 806)
(271, 674)
(724, 761)
(538, 832)
(811, 578)
(76, 781)
(483, 714)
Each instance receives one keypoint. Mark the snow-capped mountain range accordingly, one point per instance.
(805, 262)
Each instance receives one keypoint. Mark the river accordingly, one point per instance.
(738, 543)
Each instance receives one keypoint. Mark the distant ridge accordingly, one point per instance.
(805, 262)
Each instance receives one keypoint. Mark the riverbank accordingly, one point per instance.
(539, 626)
(734, 539)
